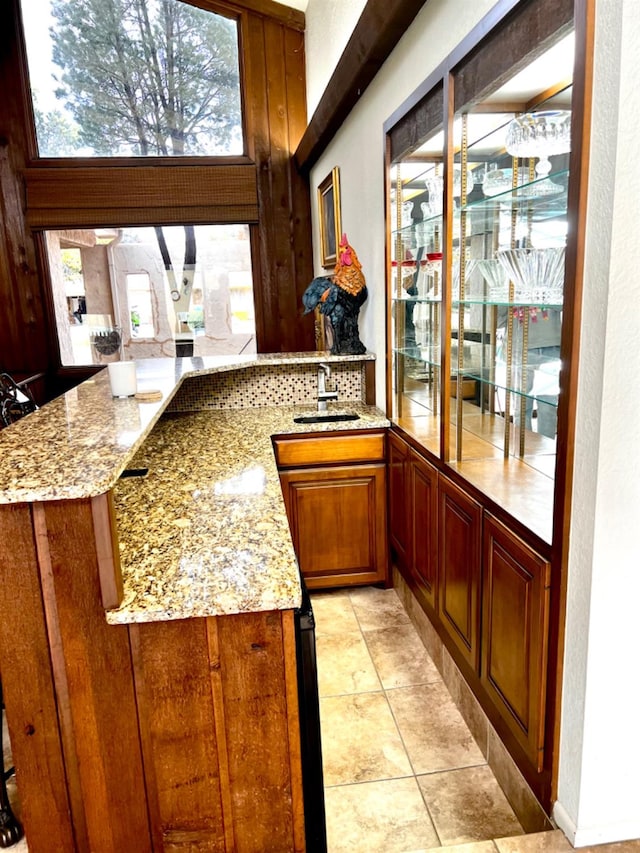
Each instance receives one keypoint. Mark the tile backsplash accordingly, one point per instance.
(279, 385)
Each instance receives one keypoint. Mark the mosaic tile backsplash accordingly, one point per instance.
(268, 386)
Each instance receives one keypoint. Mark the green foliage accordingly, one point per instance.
(148, 76)
(57, 136)
(72, 266)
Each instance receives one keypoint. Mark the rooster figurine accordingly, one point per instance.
(339, 297)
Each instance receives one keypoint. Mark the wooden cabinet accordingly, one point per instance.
(515, 622)
(337, 511)
(413, 518)
(423, 514)
(398, 455)
(486, 591)
(460, 529)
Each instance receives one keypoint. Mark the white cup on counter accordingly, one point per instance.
(122, 378)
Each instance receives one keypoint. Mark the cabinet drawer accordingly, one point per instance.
(293, 452)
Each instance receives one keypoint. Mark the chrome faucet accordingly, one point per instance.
(324, 372)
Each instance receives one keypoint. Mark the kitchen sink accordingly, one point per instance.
(325, 419)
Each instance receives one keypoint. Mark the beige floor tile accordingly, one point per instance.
(470, 847)
(333, 613)
(468, 805)
(400, 657)
(538, 842)
(377, 608)
(434, 733)
(360, 740)
(344, 665)
(632, 846)
(378, 817)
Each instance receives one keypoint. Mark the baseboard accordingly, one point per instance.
(608, 833)
(564, 822)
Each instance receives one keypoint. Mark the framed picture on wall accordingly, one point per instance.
(329, 216)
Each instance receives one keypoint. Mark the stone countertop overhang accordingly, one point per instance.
(78, 444)
(208, 523)
(205, 532)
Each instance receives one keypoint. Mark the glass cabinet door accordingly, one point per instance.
(510, 178)
(416, 192)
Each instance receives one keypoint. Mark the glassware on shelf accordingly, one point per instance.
(498, 181)
(407, 214)
(469, 267)
(435, 187)
(540, 134)
(495, 274)
(457, 181)
(538, 274)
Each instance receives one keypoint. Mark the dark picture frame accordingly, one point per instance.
(329, 217)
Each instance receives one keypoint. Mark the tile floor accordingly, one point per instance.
(402, 771)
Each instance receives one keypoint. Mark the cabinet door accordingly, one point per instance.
(338, 523)
(399, 500)
(460, 525)
(515, 634)
(423, 484)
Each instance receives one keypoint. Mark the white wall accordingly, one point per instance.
(599, 785)
(599, 780)
(358, 148)
(329, 24)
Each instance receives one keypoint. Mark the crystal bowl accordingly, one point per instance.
(496, 277)
(540, 135)
(501, 181)
(538, 274)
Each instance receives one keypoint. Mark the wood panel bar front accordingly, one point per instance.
(155, 736)
(176, 712)
(28, 688)
(101, 719)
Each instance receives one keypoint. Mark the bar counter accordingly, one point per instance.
(161, 713)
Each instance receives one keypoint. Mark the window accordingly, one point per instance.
(133, 78)
(140, 305)
(152, 292)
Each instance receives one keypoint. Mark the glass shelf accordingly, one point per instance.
(426, 300)
(426, 354)
(547, 388)
(499, 303)
(529, 195)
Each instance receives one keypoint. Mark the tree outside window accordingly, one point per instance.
(139, 78)
(133, 78)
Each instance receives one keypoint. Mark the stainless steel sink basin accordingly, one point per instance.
(325, 419)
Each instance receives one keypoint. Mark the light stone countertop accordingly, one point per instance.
(78, 444)
(205, 532)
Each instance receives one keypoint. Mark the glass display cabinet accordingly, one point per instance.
(416, 196)
(486, 176)
(477, 210)
(508, 266)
